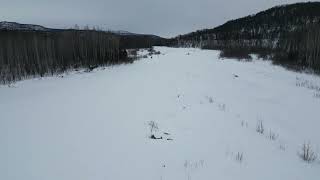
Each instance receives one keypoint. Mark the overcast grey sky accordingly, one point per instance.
(161, 17)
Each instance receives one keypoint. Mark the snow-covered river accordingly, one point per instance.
(95, 126)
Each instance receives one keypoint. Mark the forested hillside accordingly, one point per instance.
(289, 33)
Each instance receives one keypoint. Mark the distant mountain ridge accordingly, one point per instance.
(4, 25)
(10, 26)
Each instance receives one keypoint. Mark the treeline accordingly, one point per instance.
(25, 54)
(297, 49)
(140, 41)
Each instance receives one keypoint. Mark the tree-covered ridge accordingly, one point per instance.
(288, 33)
(270, 23)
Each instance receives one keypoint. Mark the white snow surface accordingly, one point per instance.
(94, 126)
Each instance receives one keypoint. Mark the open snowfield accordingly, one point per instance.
(94, 126)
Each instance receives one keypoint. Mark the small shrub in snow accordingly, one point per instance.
(239, 157)
(307, 84)
(157, 53)
(11, 85)
(192, 165)
(236, 53)
(152, 51)
(317, 95)
(210, 99)
(307, 154)
(282, 147)
(153, 127)
(260, 127)
(132, 52)
(222, 107)
(244, 124)
(272, 136)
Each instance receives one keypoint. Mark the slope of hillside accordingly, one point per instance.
(97, 125)
(289, 34)
(270, 24)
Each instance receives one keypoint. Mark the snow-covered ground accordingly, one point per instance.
(94, 126)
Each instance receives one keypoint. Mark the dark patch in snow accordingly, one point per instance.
(154, 137)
